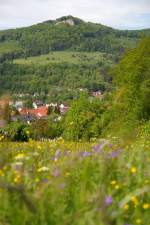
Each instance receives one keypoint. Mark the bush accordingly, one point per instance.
(17, 132)
(82, 120)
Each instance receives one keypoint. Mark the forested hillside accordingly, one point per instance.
(57, 58)
(130, 101)
(66, 33)
(59, 75)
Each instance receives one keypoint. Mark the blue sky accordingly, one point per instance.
(122, 14)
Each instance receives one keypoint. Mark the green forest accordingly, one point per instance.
(59, 36)
(60, 59)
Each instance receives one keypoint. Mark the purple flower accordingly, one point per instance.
(44, 181)
(62, 186)
(57, 153)
(108, 200)
(99, 147)
(110, 145)
(55, 172)
(86, 154)
(114, 154)
(65, 152)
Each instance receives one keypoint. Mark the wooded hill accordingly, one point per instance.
(66, 33)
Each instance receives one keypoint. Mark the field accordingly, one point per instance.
(70, 57)
(67, 183)
(10, 46)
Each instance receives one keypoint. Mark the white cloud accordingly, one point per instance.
(116, 13)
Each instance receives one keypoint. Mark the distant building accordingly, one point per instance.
(39, 112)
(63, 108)
(97, 94)
(18, 104)
(52, 105)
(24, 118)
(37, 104)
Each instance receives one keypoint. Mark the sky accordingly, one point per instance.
(121, 14)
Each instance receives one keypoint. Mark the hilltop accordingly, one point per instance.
(65, 34)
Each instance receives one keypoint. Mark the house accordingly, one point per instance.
(24, 118)
(63, 108)
(18, 104)
(52, 105)
(37, 104)
(97, 94)
(39, 112)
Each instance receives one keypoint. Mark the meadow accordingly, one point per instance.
(9, 46)
(69, 57)
(104, 182)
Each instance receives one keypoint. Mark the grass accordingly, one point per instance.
(69, 183)
(70, 57)
(6, 47)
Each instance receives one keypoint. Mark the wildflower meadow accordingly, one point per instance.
(58, 182)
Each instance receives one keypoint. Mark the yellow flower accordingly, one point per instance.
(1, 173)
(17, 178)
(135, 200)
(67, 174)
(55, 160)
(37, 180)
(20, 156)
(126, 207)
(43, 169)
(113, 182)
(146, 181)
(146, 206)
(117, 187)
(39, 147)
(138, 221)
(133, 170)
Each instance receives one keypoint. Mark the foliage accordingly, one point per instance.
(82, 120)
(130, 101)
(16, 131)
(56, 81)
(46, 128)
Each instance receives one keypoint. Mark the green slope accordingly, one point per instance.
(59, 35)
(67, 57)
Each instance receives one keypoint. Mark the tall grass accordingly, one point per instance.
(75, 183)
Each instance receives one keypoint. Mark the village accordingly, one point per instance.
(39, 110)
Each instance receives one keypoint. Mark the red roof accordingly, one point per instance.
(39, 112)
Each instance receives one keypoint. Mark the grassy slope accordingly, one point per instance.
(69, 57)
(9, 46)
(72, 183)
